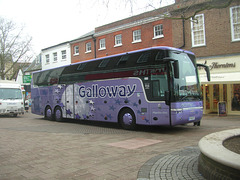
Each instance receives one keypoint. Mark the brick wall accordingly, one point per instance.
(217, 30)
(83, 55)
(147, 34)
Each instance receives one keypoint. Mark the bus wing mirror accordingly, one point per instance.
(206, 68)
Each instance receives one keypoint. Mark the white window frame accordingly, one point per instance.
(137, 36)
(118, 40)
(198, 26)
(158, 31)
(47, 58)
(102, 44)
(55, 58)
(76, 50)
(235, 26)
(88, 47)
(64, 54)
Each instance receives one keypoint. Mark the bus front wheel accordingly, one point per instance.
(58, 114)
(127, 119)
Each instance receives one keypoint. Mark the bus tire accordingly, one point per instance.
(127, 119)
(58, 114)
(48, 113)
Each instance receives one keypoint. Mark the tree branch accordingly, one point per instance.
(207, 6)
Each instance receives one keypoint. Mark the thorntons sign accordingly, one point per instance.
(216, 65)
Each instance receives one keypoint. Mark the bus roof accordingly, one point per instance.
(121, 54)
(136, 51)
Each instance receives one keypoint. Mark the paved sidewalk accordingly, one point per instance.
(174, 166)
(36, 149)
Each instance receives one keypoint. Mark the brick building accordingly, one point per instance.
(137, 32)
(213, 35)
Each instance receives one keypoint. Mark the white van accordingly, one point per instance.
(11, 98)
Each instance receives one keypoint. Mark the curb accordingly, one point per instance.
(216, 161)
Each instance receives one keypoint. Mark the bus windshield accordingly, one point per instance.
(186, 87)
(7, 93)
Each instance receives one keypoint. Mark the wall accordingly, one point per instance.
(58, 49)
(83, 55)
(147, 34)
(146, 26)
(217, 30)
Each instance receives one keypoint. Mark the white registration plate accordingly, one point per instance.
(192, 118)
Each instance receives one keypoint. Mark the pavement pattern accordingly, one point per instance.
(174, 166)
(36, 149)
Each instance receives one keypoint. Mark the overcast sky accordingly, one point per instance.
(51, 22)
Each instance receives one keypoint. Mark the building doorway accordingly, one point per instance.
(215, 93)
(211, 97)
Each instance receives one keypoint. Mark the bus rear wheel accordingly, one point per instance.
(48, 113)
(127, 119)
(58, 114)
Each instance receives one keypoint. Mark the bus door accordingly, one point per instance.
(69, 101)
(160, 111)
(81, 104)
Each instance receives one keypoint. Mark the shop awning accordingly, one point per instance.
(223, 78)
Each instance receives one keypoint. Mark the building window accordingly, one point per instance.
(64, 55)
(235, 22)
(198, 31)
(137, 36)
(76, 50)
(55, 57)
(118, 40)
(47, 58)
(88, 47)
(102, 44)
(158, 31)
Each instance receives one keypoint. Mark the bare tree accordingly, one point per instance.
(198, 6)
(175, 12)
(14, 47)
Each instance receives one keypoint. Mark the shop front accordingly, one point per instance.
(224, 86)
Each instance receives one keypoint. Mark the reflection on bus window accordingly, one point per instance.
(159, 85)
(187, 85)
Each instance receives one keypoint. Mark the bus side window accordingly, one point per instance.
(161, 55)
(104, 63)
(81, 66)
(144, 57)
(123, 60)
(156, 89)
(159, 86)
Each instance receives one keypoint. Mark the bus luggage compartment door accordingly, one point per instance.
(160, 114)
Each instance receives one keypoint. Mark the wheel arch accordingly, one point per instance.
(124, 108)
(127, 118)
